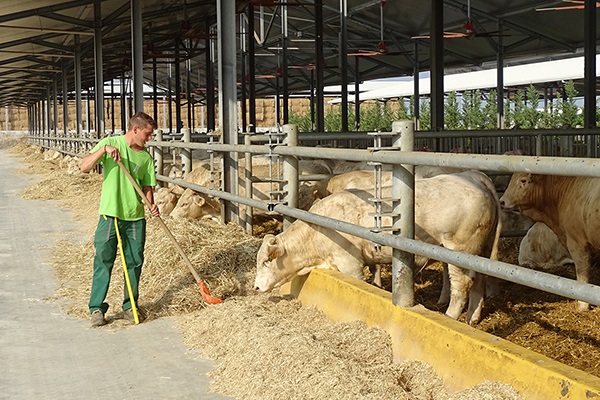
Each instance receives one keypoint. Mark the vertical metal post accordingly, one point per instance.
(78, 86)
(87, 111)
(417, 90)
(251, 69)
(356, 93)
(243, 59)
(290, 172)
(178, 120)
(98, 70)
(170, 98)
(210, 84)
(284, 64)
(228, 97)
(343, 39)
(500, 80)
(589, 76)
(65, 98)
(249, 214)
(186, 155)
(112, 105)
(188, 91)
(403, 188)
(154, 89)
(158, 154)
(137, 57)
(123, 103)
(55, 105)
(437, 65)
(48, 110)
(320, 64)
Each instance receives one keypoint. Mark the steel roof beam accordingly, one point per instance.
(511, 25)
(41, 11)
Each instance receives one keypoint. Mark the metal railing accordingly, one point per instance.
(491, 162)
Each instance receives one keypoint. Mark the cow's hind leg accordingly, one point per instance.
(375, 271)
(476, 296)
(460, 284)
(445, 293)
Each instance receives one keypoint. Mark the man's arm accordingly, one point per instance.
(92, 159)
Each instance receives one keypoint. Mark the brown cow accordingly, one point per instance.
(569, 205)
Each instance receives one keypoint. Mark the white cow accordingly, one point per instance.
(166, 199)
(364, 179)
(193, 205)
(540, 248)
(457, 211)
(569, 206)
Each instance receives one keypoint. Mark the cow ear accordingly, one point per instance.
(274, 247)
(199, 200)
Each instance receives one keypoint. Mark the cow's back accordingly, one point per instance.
(459, 211)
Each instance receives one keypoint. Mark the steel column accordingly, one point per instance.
(98, 70)
(437, 65)
(343, 61)
(65, 98)
(290, 172)
(228, 97)
(78, 115)
(500, 80)
(137, 57)
(251, 69)
(284, 64)
(320, 64)
(403, 193)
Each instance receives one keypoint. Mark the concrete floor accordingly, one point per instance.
(46, 354)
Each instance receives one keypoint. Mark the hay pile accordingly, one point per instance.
(224, 256)
(8, 141)
(271, 347)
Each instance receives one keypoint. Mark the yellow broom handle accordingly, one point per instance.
(136, 319)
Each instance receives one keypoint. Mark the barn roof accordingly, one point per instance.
(38, 39)
(546, 73)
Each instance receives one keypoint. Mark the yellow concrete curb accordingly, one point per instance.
(461, 355)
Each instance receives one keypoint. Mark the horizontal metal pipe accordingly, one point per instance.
(490, 162)
(524, 276)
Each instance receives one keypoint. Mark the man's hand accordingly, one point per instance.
(154, 210)
(113, 152)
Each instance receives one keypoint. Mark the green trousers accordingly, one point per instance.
(133, 236)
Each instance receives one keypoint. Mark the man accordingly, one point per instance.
(121, 210)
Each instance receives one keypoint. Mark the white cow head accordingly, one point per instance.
(166, 200)
(192, 205)
(271, 271)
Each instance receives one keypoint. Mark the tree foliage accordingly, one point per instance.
(467, 110)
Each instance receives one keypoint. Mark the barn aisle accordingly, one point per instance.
(49, 355)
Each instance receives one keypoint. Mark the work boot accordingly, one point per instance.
(98, 318)
(128, 314)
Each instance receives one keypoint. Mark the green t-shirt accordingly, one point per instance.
(119, 198)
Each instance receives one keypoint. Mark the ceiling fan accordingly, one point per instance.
(189, 32)
(469, 31)
(580, 5)
(381, 49)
